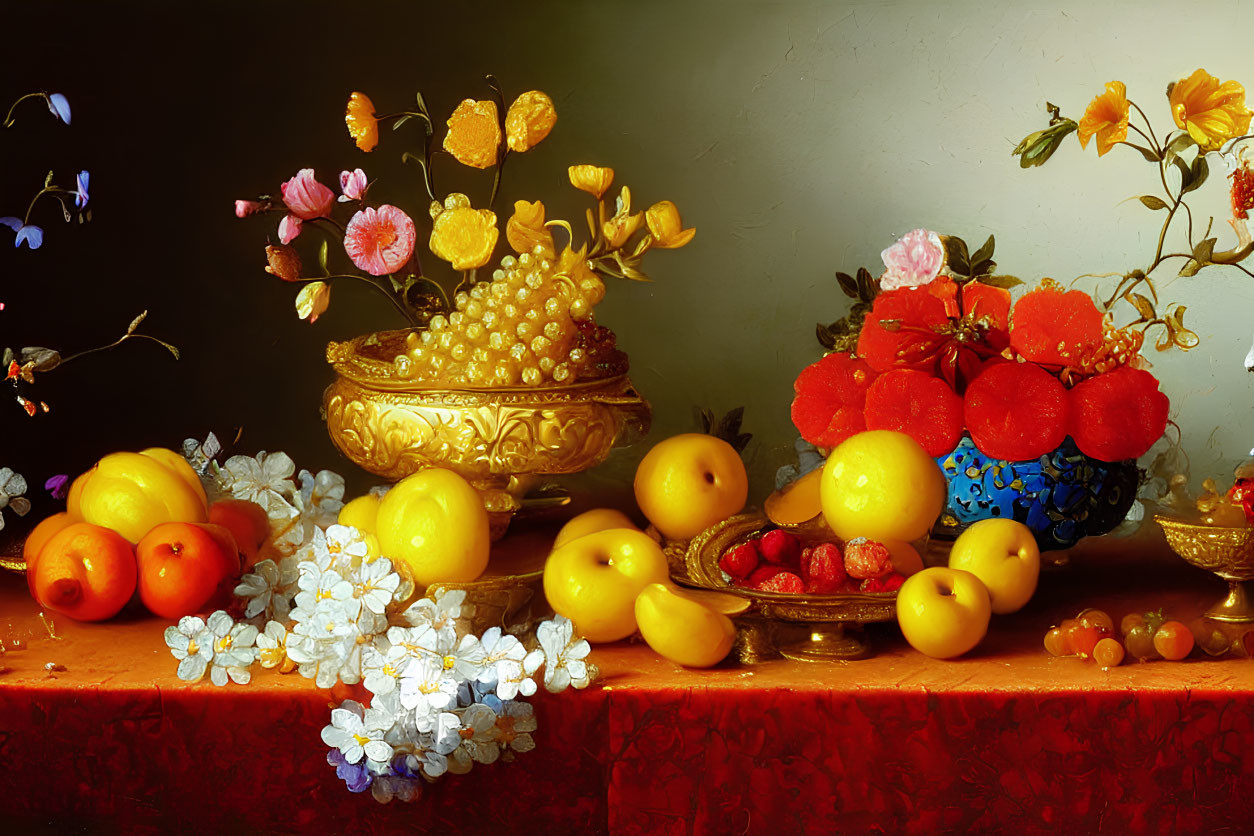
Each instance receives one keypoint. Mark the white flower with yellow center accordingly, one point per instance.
(564, 664)
(347, 547)
(265, 480)
(319, 587)
(375, 584)
(440, 613)
(233, 650)
(265, 588)
(272, 648)
(192, 644)
(382, 670)
(354, 736)
(478, 735)
(503, 667)
(427, 686)
(321, 497)
(514, 723)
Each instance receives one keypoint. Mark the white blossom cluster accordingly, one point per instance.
(332, 608)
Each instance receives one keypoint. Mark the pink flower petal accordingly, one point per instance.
(289, 228)
(381, 240)
(306, 197)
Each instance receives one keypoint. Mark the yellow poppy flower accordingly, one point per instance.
(525, 230)
(1106, 117)
(592, 179)
(529, 120)
(463, 236)
(474, 134)
(1211, 112)
(363, 127)
(624, 224)
(312, 301)
(666, 226)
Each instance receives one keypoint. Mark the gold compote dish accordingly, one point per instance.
(500, 439)
(806, 627)
(1225, 550)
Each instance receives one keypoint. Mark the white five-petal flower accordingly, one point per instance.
(356, 734)
(233, 650)
(192, 644)
(564, 657)
(265, 480)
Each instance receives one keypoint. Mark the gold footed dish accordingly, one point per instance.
(501, 440)
(1228, 552)
(805, 627)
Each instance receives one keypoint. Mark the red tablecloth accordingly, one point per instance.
(1006, 739)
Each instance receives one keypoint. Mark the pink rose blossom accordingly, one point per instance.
(244, 208)
(381, 240)
(289, 228)
(306, 197)
(916, 259)
(353, 185)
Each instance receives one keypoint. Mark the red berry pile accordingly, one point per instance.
(938, 360)
(778, 561)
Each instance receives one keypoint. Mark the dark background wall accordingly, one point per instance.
(798, 138)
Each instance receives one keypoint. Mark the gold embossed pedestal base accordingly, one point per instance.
(501, 440)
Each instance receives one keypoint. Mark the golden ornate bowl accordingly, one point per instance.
(812, 628)
(501, 440)
(1228, 552)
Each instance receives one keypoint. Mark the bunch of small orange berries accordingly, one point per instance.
(1146, 636)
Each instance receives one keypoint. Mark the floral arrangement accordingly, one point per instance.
(20, 367)
(532, 321)
(321, 601)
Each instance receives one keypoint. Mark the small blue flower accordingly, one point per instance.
(29, 234)
(80, 194)
(60, 107)
(354, 775)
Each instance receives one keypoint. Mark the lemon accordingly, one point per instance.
(361, 513)
(881, 485)
(434, 524)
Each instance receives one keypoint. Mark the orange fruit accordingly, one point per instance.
(37, 539)
(247, 521)
(185, 568)
(86, 572)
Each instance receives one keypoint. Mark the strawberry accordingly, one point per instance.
(783, 582)
(826, 570)
(782, 547)
(867, 559)
(889, 583)
(739, 562)
(763, 574)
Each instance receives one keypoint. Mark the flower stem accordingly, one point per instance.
(8, 118)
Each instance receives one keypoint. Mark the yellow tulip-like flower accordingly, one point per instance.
(529, 120)
(312, 301)
(1106, 118)
(666, 226)
(1211, 112)
(363, 127)
(574, 263)
(525, 230)
(463, 236)
(592, 179)
(624, 224)
(474, 134)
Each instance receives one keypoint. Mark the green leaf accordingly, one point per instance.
(1143, 305)
(1204, 250)
(401, 121)
(1038, 147)
(1190, 267)
(705, 418)
(983, 268)
(868, 289)
(1199, 171)
(1186, 174)
(1152, 202)
(1148, 153)
(48, 180)
(1005, 282)
(956, 256)
(825, 336)
(1177, 146)
(984, 253)
(40, 359)
(848, 284)
(322, 257)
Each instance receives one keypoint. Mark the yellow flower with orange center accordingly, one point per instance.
(1211, 112)
(592, 179)
(474, 134)
(1106, 118)
(363, 127)
(666, 226)
(461, 235)
(529, 120)
(525, 230)
(624, 224)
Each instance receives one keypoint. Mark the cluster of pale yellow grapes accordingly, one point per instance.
(519, 329)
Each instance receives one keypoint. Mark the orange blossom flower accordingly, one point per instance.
(591, 179)
(1211, 112)
(665, 225)
(624, 224)
(1107, 117)
(460, 235)
(363, 127)
(474, 133)
(526, 230)
(529, 120)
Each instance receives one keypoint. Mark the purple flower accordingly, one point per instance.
(80, 194)
(60, 107)
(32, 235)
(57, 486)
(354, 775)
